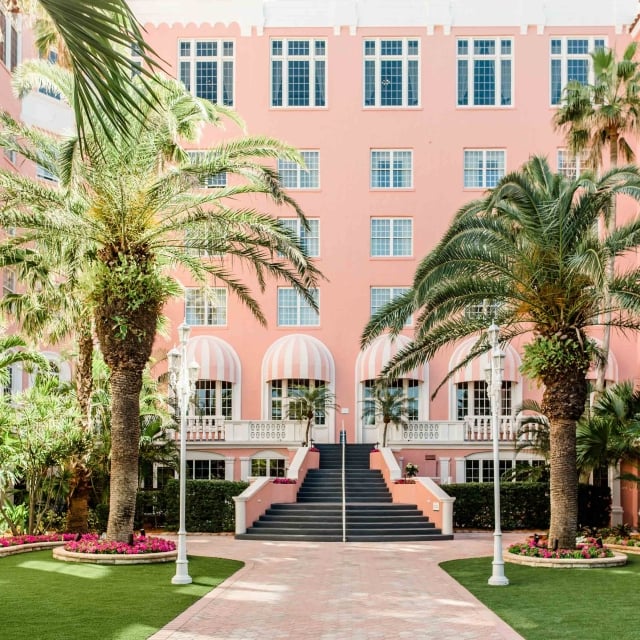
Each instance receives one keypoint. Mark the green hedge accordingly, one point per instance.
(523, 505)
(209, 505)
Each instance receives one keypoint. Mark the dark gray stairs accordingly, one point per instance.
(370, 514)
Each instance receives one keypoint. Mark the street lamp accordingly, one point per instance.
(494, 389)
(182, 379)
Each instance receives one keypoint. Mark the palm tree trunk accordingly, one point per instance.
(125, 438)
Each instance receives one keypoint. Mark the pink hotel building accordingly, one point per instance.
(403, 110)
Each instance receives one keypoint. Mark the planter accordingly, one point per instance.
(60, 553)
(25, 548)
(618, 560)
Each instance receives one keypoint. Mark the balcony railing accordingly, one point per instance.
(217, 429)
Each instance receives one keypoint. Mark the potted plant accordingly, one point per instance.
(411, 470)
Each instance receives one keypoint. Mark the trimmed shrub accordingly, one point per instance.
(209, 505)
(523, 505)
(150, 509)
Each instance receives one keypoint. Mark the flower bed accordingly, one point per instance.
(404, 481)
(284, 481)
(91, 543)
(10, 541)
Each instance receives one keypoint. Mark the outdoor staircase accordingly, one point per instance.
(371, 515)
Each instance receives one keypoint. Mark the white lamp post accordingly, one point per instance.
(494, 389)
(183, 380)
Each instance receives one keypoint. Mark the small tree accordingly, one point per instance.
(389, 405)
(306, 403)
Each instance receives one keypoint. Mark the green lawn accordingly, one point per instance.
(562, 604)
(45, 599)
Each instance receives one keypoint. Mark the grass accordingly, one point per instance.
(52, 600)
(559, 604)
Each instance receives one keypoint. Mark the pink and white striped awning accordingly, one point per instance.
(217, 359)
(475, 370)
(611, 373)
(298, 356)
(372, 360)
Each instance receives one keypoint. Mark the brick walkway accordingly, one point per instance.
(334, 591)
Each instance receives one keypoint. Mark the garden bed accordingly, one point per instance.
(60, 553)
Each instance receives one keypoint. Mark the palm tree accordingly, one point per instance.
(99, 36)
(530, 245)
(306, 403)
(387, 404)
(130, 201)
(600, 116)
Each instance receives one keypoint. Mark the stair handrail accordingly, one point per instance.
(344, 492)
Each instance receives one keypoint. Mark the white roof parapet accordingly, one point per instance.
(426, 14)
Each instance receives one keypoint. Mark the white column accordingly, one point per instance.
(460, 471)
(245, 468)
(229, 468)
(616, 498)
(445, 470)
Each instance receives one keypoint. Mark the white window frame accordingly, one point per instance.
(308, 238)
(187, 66)
(11, 40)
(486, 184)
(390, 293)
(475, 387)
(207, 303)
(284, 397)
(52, 58)
(485, 468)
(302, 307)
(393, 234)
(564, 57)
(42, 173)
(217, 389)
(571, 166)
(498, 57)
(191, 467)
(294, 176)
(213, 181)
(314, 58)
(392, 158)
(374, 60)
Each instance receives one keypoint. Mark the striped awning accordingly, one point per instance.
(217, 359)
(475, 370)
(611, 373)
(372, 360)
(298, 356)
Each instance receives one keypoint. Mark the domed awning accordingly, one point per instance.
(475, 369)
(373, 359)
(217, 359)
(298, 356)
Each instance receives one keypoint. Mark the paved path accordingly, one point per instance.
(335, 591)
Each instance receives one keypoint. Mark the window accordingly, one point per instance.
(270, 467)
(391, 237)
(206, 69)
(482, 470)
(52, 58)
(214, 398)
(571, 62)
(10, 41)
(571, 166)
(282, 392)
(474, 394)
(293, 176)
(294, 310)
(136, 59)
(391, 169)
(206, 306)
(298, 73)
(406, 387)
(8, 281)
(486, 309)
(42, 173)
(391, 73)
(483, 168)
(205, 469)
(485, 72)
(383, 295)
(7, 389)
(11, 155)
(210, 181)
(309, 238)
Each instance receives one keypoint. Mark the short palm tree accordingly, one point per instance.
(306, 403)
(129, 202)
(531, 245)
(604, 116)
(387, 404)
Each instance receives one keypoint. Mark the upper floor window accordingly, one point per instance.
(294, 310)
(570, 166)
(309, 238)
(391, 237)
(11, 155)
(206, 306)
(210, 181)
(485, 71)
(391, 72)
(283, 393)
(214, 398)
(8, 281)
(570, 61)
(486, 309)
(10, 41)
(42, 173)
(483, 168)
(381, 296)
(408, 388)
(391, 169)
(293, 176)
(52, 58)
(298, 72)
(206, 69)
(472, 399)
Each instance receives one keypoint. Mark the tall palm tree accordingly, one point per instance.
(604, 116)
(306, 403)
(387, 404)
(531, 245)
(130, 201)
